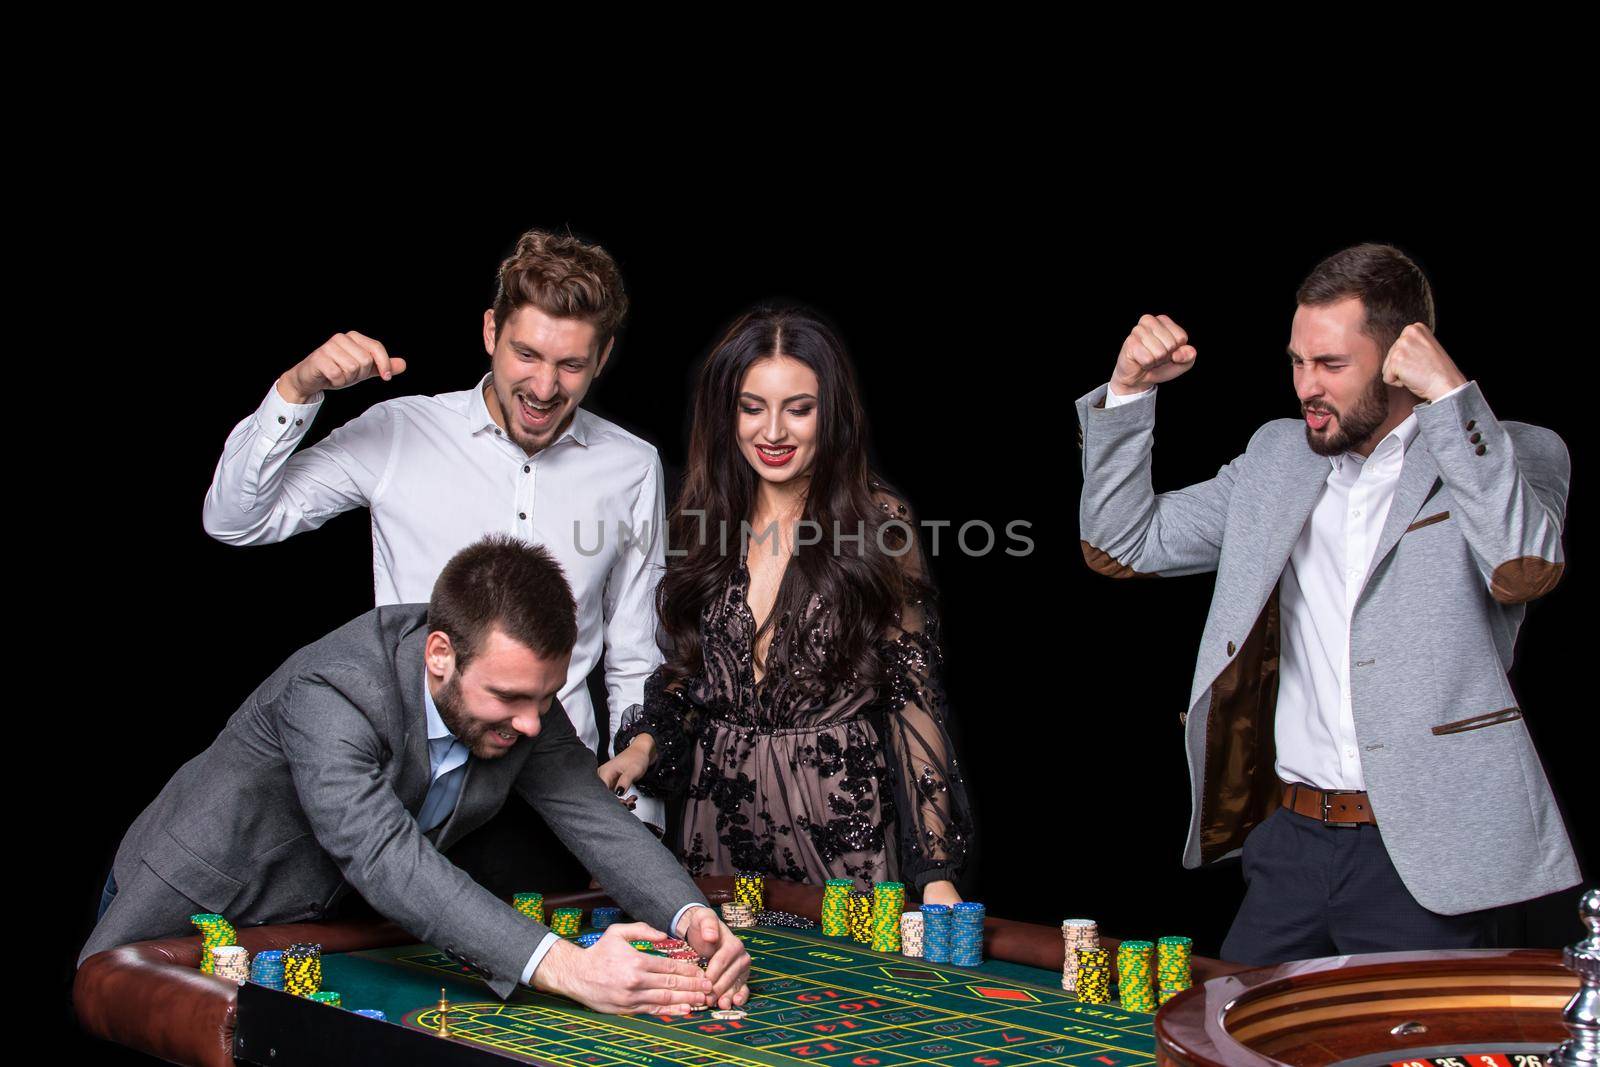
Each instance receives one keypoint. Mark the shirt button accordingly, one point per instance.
(526, 469)
(282, 420)
(1472, 424)
(299, 422)
(1356, 514)
(1481, 449)
(522, 515)
(1230, 648)
(1475, 438)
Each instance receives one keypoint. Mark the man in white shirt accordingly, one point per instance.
(1304, 543)
(514, 454)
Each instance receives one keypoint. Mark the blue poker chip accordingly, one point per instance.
(588, 940)
(372, 1013)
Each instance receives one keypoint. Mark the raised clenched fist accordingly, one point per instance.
(1158, 350)
(344, 360)
(1420, 364)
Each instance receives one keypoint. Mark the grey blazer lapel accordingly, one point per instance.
(1419, 480)
(1304, 476)
(484, 791)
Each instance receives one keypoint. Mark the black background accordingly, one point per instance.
(977, 312)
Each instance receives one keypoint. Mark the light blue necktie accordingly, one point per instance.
(446, 788)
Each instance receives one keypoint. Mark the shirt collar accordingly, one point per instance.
(1390, 450)
(481, 421)
(437, 730)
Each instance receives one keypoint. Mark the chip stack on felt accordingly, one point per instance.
(215, 931)
(966, 933)
(371, 1013)
(1094, 976)
(1174, 966)
(911, 934)
(231, 962)
(602, 917)
(750, 890)
(1076, 934)
(329, 997)
(267, 969)
(302, 969)
(737, 915)
(589, 939)
(836, 907)
(566, 922)
(530, 904)
(888, 903)
(936, 933)
(861, 916)
(1136, 976)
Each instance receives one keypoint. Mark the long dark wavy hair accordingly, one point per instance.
(860, 584)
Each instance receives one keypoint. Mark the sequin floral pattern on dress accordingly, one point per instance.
(801, 780)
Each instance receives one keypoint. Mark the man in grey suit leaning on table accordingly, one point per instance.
(368, 752)
(1350, 725)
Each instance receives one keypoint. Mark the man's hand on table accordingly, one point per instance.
(729, 969)
(616, 978)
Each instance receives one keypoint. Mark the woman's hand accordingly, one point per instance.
(940, 892)
(627, 767)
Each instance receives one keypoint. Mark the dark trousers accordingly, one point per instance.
(1318, 890)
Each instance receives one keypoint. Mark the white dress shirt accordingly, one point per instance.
(437, 473)
(1314, 727)
(447, 760)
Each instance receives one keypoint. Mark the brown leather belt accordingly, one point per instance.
(1336, 807)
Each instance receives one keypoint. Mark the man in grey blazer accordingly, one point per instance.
(370, 751)
(1373, 560)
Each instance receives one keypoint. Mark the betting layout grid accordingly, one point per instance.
(816, 1001)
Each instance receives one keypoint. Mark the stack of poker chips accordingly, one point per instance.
(786, 919)
(888, 904)
(267, 969)
(600, 918)
(1136, 976)
(588, 940)
(911, 934)
(215, 932)
(231, 962)
(1174, 961)
(936, 933)
(836, 907)
(1076, 934)
(372, 1013)
(750, 889)
(675, 948)
(327, 997)
(302, 969)
(738, 915)
(1094, 976)
(860, 914)
(530, 904)
(642, 946)
(966, 934)
(566, 922)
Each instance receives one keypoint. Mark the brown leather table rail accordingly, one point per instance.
(151, 995)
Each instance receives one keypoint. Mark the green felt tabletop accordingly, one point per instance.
(813, 999)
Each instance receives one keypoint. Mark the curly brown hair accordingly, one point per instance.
(565, 278)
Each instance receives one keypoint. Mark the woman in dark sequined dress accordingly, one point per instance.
(799, 708)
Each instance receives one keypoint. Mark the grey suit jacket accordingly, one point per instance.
(314, 785)
(1473, 534)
